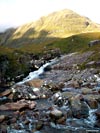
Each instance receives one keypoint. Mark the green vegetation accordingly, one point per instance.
(64, 30)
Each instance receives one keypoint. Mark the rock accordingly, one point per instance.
(86, 91)
(79, 107)
(13, 120)
(39, 125)
(36, 83)
(68, 94)
(32, 104)
(55, 113)
(97, 124)
(18, 105)
(2, 118)
(84, 110)
(3, 130)
(92, 97)
(26, 122)
(93, 104)
(90, 64)
(98, 113)
(25, 92)
(5, 93)
(36, 92)
(61, 120)
(57, 99)
(76, 84)
(93, 42)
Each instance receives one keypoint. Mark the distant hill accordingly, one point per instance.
(48, 29)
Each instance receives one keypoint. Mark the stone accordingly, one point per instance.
(86, 91)
(92, 97)
(55, 113)
(84, 110)
(4, 130)
(79, 107)
(26, 122)
(93, 104)
(61, 120)
(32, 104)
(39, 125)
(18, 105)
(36, 83)
(36, 92)
(5, 93)
(98, 113)
(76, 84)
(2, 118)
(13, 120)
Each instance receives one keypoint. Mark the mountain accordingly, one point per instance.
(60, 32)
(48, 29)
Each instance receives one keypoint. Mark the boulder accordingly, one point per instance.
(86, 91)
(98, 113)
(55, 113)
(18, 105)
(2, 118)
(5, 93)
(93, 104)
(76, 84)
(79, 107)
(37, 83)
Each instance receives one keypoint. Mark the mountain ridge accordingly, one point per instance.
(59, 24)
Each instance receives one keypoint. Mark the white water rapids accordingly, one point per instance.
(40, 71)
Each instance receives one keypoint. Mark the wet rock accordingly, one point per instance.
(91, 97)
(84, 109)
(55, 113)
(97, 124)
(93, 104)
(18, 105)
(37, 132)
(36, 83)
(3, 130)
(79, 107)
(5, 93)
(57, 99)
(39, 125)
(37, 92)
(31, 104)
(98, 113)
(2, 118)
(76, 84)
(24, 92)
(61, 120)
(53, 86)
(90, 64)
(13, 120)
(16, 126)
(26, 122)
(68, 94)
(86, 91)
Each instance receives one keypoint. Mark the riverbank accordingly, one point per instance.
(63, 97)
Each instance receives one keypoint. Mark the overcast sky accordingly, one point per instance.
(18, 12)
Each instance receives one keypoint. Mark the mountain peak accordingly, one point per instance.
(58, 24)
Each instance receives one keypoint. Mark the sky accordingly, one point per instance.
(19, 12)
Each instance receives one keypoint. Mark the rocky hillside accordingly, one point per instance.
(53, 27)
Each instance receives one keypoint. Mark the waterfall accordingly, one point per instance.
(36, 74)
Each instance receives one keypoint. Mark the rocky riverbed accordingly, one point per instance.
(59, 97)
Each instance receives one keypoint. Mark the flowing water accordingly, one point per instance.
(73, 125)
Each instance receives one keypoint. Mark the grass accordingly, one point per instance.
(74, 43)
